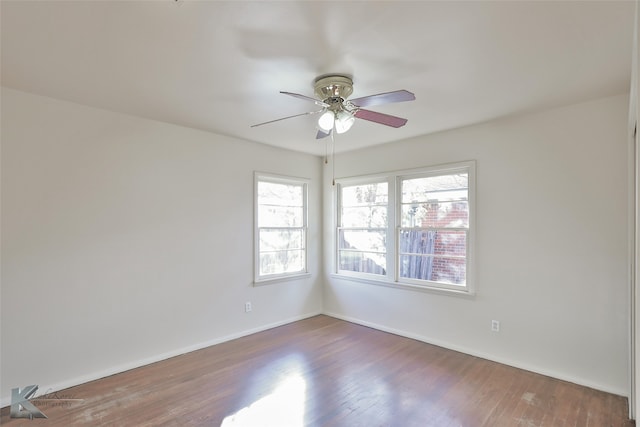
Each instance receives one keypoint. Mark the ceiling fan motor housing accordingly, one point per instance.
(333, 89)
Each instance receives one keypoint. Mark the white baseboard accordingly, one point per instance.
(472, 352)
(50, 388)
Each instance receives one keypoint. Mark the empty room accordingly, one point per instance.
(319, 213)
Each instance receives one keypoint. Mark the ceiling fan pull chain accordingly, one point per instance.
(326, 152)
(333, 159)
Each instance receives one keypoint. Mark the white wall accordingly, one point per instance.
(634, 163)
(551, 253)
(126, 240)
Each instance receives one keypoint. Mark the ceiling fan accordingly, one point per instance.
(339, 113)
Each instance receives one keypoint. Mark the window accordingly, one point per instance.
(408, 228)
(362, 235)
(281, 227)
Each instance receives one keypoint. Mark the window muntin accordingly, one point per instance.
(362, 229)
(281, 227)
(431, 211)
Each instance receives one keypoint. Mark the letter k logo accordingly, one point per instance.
(20, 405)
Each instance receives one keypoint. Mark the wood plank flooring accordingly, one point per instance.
(326, 372)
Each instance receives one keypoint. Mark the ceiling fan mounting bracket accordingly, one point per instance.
(333, 88)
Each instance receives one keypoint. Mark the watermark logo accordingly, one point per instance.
(23, 402)
(20, 405)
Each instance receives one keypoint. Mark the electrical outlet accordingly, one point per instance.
(247, 306)
(495, 325)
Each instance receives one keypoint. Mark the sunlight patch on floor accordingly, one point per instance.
(284, 407)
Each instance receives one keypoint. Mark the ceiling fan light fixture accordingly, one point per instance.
(326, 120)
(344, 121)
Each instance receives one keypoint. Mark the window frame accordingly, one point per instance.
(394, 228)
(371, 179)
(262, 279)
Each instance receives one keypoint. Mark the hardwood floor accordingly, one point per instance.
(326, 372)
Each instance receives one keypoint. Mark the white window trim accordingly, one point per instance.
(391, 278)
(281, 179)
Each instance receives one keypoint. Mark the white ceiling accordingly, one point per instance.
(219, 65)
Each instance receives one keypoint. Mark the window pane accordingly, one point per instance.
(363, 240)
(280, 216)
(365, 195)
(279, 239)
(365, 217)
(435, 188)
(436, 214)
(271, 193)
(363, 262)
(432, 242)
(279, 262)
(437, 269)
(435, 201)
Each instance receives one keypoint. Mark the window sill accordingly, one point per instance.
(283, 278)
(468, 293)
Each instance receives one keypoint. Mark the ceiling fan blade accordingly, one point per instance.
(308, 98)
(384, 98)
(288, 117)
(322, 134)
(383, 119)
